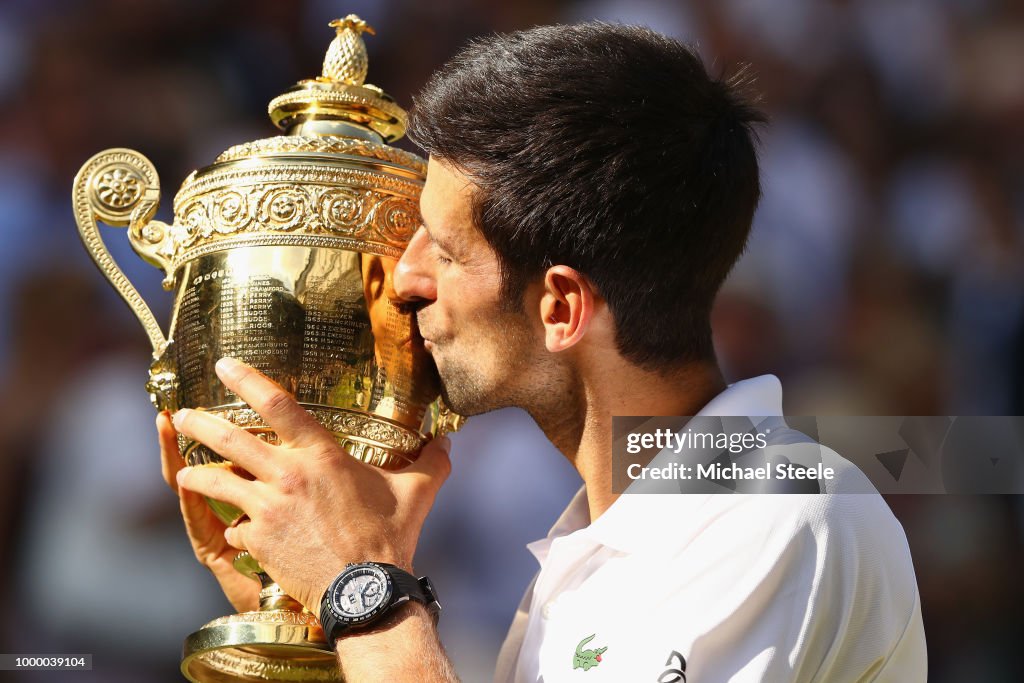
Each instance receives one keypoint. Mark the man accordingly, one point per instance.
(589, 188)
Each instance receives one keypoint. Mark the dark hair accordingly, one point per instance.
(609, 149)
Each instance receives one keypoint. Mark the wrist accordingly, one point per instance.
(407, 650)
(408, 616)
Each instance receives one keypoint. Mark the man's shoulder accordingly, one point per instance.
(848, 511)
(825, 578)
(847, 530)
(842, 506)
(848, 517)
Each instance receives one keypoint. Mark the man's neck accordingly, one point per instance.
(582, 430)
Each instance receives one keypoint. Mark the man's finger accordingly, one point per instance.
(236, 535)
(170, 455)
(199, 518)
(228, 441)
(219, 483)
(283, 414)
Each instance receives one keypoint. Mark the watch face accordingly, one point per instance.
(363, 591)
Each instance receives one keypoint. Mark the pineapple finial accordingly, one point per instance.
(346, 59)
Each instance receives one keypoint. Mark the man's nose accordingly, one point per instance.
(414, 279)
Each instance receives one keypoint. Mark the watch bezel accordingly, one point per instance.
(338, 585)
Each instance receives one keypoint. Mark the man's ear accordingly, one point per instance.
(566, 307)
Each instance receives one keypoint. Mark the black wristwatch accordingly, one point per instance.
(364, 593)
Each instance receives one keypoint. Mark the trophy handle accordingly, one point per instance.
(121, 188)
(442, 420)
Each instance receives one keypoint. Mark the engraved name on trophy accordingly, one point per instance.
(281, 254)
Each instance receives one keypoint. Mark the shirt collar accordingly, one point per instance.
(755, 397)
(575, 517)
(629, 524)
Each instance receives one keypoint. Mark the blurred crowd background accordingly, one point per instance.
(884, 277)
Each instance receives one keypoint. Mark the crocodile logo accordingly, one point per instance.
(587, 659)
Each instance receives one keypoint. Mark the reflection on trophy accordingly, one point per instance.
(281, 254)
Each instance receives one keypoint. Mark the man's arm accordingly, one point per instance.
(406, 649)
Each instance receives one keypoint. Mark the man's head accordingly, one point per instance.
(595, 165)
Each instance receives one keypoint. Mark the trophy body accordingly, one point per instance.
(281, 254)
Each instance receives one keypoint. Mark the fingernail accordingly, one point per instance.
(445, 443)
(179, 417)
(180, 476)
(228, 367)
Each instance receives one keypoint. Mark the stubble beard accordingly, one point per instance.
(462, 393)
(468, 390)
(550, 397)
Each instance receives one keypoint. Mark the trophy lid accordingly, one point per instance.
(330, 180)
(340, 94)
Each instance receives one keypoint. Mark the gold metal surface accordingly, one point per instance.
(117, 186)
(281, 253)
(340, 95)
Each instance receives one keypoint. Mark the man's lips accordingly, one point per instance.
(420, 332)
(428, 343)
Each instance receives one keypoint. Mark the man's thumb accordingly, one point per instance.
(432, 467)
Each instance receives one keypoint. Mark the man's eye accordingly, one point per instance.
(442, 259)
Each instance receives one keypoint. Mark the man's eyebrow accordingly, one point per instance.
(433, 238)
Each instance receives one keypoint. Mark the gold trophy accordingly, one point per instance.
(281, 254)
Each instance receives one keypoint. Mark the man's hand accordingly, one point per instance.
(311, 508)
(204, 529)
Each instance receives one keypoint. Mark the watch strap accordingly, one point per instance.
(419, 589)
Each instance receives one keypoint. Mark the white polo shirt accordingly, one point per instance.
(667, 588)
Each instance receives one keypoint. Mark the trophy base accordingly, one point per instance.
(260, 646)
